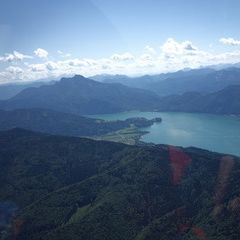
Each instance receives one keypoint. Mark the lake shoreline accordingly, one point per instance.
(217, 133)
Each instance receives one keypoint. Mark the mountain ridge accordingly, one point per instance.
(225, 101)
(52, 122)
(204, 80)
(80, 95)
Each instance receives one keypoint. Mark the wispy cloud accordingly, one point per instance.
(230, 41)
(13, 57)
(41, 53)
(123, 57)
(64, 55)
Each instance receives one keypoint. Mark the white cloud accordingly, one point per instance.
(14, 57)
(51, 66)
(64, 55)
(41, 53)
(174, 56)
(172, 47)
(14, 70)
(11, 73)
(122, 57)
(77, 63)
(230, 41)
(150, 50)
(37, 67)
(146, 57)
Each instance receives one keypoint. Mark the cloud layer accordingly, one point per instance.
(172, 55)
(230, 41)
(13, 57)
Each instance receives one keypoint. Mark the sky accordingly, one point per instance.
(44, 39)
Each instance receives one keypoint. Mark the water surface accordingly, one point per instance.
(213, 132)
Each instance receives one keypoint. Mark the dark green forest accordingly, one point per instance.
(52, 122)
(56, 187)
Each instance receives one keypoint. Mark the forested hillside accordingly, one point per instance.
(71, 188)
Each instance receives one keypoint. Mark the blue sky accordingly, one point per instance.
(126, 31)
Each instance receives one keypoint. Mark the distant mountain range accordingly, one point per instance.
(204, 80)
(145, 81)
(203, 90)
(10, 90)
(62, 188)
(226, 101)
(81, 95)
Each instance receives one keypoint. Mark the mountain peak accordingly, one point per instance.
(77, 80)
(78, 76)
(74, 78)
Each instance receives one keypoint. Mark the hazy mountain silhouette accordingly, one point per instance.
(205, 80)
(81, 95)
(226, 101)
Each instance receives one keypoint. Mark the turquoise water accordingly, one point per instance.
(213, 132)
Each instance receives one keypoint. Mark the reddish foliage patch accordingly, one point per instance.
(179, 162)
(199, 232)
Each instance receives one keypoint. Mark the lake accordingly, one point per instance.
(218, 133)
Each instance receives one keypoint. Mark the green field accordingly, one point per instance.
(129, 136)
